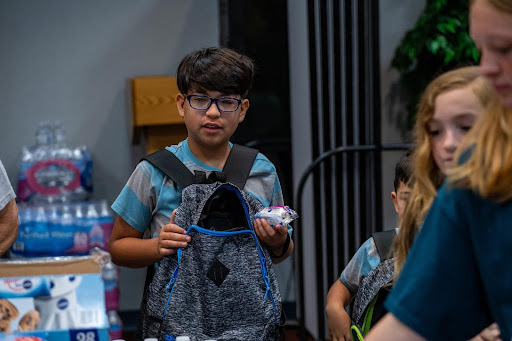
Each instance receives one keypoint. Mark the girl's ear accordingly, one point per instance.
(244, 106)
(180, 104)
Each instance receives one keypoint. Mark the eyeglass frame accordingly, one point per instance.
(214, 100)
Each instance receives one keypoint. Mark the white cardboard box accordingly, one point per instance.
(66, 292)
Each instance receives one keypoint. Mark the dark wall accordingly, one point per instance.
(259, 30)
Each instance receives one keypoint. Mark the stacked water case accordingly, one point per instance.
(56, 216)
(62, 229)
(52, 171)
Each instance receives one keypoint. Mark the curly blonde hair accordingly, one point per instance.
(427, 177)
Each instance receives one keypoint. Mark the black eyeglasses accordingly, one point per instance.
(224, 104)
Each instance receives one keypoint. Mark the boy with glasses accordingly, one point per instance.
(213, 84)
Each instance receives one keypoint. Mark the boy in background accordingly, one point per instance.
(366, 259)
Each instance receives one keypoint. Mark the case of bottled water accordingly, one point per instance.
(62, 229)
(51, 171)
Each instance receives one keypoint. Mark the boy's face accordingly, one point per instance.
(400, 198)
(210, 128)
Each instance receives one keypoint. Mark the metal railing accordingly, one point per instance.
(320, 238)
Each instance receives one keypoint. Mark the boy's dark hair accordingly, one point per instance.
(403, 169)
(216, 69)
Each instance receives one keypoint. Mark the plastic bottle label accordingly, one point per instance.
(107, 232)
(111, 295)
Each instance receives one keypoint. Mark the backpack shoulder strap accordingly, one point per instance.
(384, 242)
(239, 164)
(171, 166)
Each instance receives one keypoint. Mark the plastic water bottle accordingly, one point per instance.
(38, 240)
(60, 150)
(116, 325)
(60, 141)
(67, 228)
(81, 235)
(87, 157)
(25, 219)
(44, 177)
(92, 221)
(54, 229)
(43, 141)
(67, 175)
(26, 161)
(106, 223)
(183, 338)
(111, 281)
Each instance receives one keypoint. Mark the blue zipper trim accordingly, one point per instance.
(268, 293)
(170, 286)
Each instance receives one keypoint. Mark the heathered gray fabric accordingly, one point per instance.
(6, 191)
(370, 286)
(237, 309)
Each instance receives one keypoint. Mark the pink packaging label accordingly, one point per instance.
(116, 334)
(111, 297)
(24, 191)
(107, 231)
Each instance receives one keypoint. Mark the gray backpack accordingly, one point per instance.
(222, 286)
(368, 305)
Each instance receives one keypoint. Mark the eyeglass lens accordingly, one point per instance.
(204, 102)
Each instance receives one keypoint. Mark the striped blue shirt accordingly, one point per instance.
(365, 260)
(149, 197)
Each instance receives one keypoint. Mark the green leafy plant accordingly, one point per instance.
(438, 42)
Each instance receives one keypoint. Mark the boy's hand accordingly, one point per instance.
(171, 238)
(338, 324)
(338, 320)
(273, 238)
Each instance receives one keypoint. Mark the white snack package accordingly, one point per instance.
(277, 215)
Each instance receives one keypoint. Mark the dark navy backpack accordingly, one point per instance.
(222, 286)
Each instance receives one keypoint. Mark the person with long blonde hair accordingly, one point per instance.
(457, 278)
(447, 110)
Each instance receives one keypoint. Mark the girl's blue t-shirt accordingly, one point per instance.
(457, 279)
